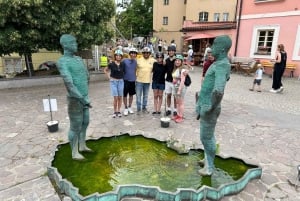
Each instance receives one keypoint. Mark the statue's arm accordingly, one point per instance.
(68, 81)
(219, 87)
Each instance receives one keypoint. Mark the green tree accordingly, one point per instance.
(29, 25)
(136, 18)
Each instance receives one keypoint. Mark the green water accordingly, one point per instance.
(129, 160)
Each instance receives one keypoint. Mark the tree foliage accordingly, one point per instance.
(29, 25)
(137, 18)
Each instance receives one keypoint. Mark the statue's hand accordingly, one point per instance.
(88, 105)
(204, 110)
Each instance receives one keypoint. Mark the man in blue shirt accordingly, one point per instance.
(129, 80)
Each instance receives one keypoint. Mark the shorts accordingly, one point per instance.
(129, 88)
(169, 87)
(116, 87)
(182, 94)
(257, 81)
(158, 86)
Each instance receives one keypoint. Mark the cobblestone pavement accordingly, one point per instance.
(260, 128)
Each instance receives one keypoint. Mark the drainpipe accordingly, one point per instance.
(238, 26)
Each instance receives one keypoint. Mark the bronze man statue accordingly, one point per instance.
(76, 79)
(210, 97)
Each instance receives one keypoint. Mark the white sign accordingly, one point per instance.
(47, 105)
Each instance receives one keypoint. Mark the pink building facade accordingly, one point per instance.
(263, 24)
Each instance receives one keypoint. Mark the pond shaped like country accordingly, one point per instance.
(126, 160)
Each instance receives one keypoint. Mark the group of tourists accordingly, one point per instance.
(133, 76)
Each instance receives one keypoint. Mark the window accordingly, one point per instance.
(225, 17)
(203, 16)
(165, 20)
(296, 52)
(166, 2)
(217, 17)
(264, 40)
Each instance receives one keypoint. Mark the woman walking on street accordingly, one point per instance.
(279, 67)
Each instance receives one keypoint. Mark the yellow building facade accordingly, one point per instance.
(15, 64)
(179, 19)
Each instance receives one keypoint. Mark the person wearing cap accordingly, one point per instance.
(115, 74)
(143, 79)
(179, 75)
(158, 82)
(190, 54)
(130, 65)
(169, 87)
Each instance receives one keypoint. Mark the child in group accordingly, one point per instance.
(258, 78)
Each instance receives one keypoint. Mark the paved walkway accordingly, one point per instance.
(260, 128)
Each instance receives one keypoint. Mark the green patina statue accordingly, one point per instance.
(76, 79)
(209, 103)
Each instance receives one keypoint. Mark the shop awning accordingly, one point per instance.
(200, 36)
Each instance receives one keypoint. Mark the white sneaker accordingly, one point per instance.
(126, 112)
(130, 110)
(273, 91)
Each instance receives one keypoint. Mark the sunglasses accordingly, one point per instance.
(159, 57)
(146, 52)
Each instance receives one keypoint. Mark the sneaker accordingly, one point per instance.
(130, 110)
(258, 90)
(119, 114)
(168, 112)
(174, 117)
(280, 89)
(154, 113)
(179, 119)
(145, 110)
(273, 91)
(138, 112)
(158, 112)
(114, 115)
(125, 112)
(174, 113)
(251, 89)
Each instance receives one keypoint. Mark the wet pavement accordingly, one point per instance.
(260, 128)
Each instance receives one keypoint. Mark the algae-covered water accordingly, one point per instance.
(125, 160)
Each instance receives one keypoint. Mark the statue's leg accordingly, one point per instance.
(207, 136)
(85, 123)
(75, 111)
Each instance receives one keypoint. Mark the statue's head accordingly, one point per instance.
(221, 46)
(68, 42)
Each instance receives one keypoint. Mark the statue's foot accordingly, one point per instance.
(202, 162)
(205, 172)
(77, 157)
(85, 149)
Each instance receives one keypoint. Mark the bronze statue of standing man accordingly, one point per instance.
(76, 79)
(209, 102)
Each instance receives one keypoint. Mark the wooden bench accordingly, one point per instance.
(289, 66)
(244, 64)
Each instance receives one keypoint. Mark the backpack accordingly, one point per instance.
(187, 81)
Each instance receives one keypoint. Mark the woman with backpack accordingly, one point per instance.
(181, 81)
